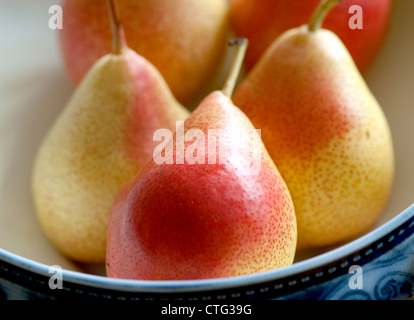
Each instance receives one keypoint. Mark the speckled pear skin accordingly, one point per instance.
(199, 221)
(102, 138)
(325, 131)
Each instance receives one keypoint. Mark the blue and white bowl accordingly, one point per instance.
(33, 90)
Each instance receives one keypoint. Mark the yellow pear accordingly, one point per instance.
(102, 138)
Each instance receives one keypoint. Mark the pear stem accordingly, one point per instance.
(116, 27)
(234, 73)
(320, 14)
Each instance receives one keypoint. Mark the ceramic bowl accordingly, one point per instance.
(34, 88)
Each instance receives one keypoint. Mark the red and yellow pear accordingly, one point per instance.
(324, 130)
(229, 213)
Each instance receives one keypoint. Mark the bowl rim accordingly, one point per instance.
(180, 286)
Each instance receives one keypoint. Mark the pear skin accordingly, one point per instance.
(204, 220)
(102, 138)
(325, 131)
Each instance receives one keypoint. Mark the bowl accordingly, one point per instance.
(33, 90)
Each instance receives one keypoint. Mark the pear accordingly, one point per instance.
(262, 21)
(102, 138)
(184, 39)
(324, 130)
(210, 213)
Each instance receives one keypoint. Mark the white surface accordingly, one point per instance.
(34, 88)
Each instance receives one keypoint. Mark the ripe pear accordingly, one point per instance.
(324, 130)
(221, 216)
(102, 138)
(263, 21)
(184, 39)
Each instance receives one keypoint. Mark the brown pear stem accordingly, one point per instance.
(116, 27)
(234, 73)
(320, 14)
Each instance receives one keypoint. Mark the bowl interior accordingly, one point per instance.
(34, 88)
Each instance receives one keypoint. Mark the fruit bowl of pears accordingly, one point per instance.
(207, 150)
